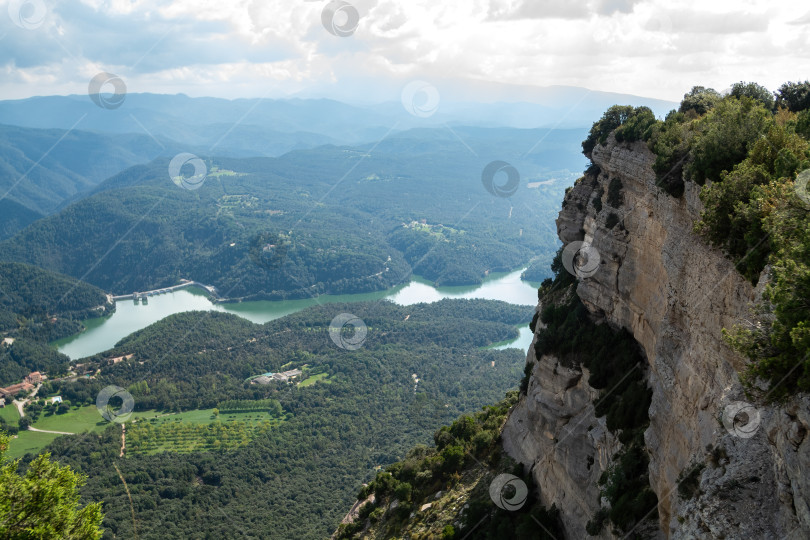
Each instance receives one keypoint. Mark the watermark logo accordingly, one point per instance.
(659, 22)
(268, 250)
(340, 18)
(802, 186)
(107, 101)
(192, 182)
(508, 492)
(421, 99)
(508, 188)
(580, 259)
(348, 331)
(741, 419)
(106, 409)
(27, 14)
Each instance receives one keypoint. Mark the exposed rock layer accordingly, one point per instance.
(675, 294)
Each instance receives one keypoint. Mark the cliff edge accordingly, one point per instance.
(721, 465)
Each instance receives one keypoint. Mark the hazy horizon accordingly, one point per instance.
(368, 50)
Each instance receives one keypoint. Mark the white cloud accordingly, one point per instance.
(249, 47)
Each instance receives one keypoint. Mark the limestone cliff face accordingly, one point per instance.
(675, 294)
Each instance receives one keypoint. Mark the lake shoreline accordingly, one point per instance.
(102, 333)
(301, 294)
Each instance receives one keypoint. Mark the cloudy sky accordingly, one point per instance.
(274, 48)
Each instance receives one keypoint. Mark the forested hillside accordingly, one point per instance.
(36, 307)
(329, 220)
(366, 410)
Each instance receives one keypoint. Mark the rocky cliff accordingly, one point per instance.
(747, 464)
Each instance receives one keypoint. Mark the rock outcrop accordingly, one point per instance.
(675, 294)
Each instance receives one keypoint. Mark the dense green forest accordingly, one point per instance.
(749, 153)
(329, 220)
(333, 435)
(36, 307)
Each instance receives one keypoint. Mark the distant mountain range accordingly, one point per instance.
(231, 124)
(56, 149)
(42, 168)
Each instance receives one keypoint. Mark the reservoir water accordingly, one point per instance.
(104, 333)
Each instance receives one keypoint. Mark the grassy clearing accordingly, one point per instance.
(28, 441)
(9, 414)
(309, 381)
(74, 421)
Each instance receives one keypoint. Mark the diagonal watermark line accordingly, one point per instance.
(146, 131)
(342, 178)
(65, 134)
(560, 121)
(4, 294)
(570, 431)
(646, 516)
(231, 520)
(209, 313)
(630, 209)
(115, 244)
(64, 48)
(467, 146)
(132, 67)
(548, 532)
(788, 374)
(788, 535)
(239, 121)
(483, 519)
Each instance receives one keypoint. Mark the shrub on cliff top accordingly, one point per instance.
(635, 124)
(753, 91)
(724, 137)
(670, 143)
(699, 100)
(795, 96)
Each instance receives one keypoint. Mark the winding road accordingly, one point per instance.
(21, 404)
(48, 431)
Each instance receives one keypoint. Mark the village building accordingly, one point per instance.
(10, 391)
(285, 376)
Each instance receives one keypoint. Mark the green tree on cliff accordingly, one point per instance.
(700, 99)
(44, 502)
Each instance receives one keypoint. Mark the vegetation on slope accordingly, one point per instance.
(444, 491)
